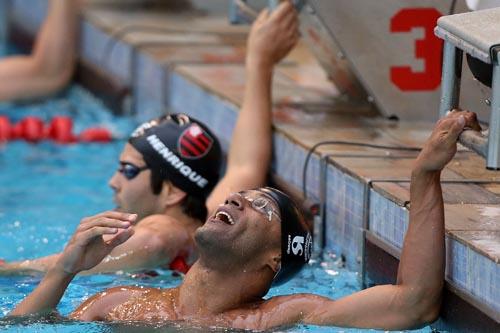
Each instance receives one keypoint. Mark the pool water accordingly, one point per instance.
(46, 188)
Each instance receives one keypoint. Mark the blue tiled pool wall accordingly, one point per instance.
(3, 23)
(388, 220)
(150, 86)
(344, 216)
(115, 59)
(28, 13)
(187, 97)
(288, 163)
(473, 272)
(467, 269)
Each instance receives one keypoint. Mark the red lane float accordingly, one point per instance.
(60, 130)
(95, 134)
(32, 129)
(16, 131)
(5, 129)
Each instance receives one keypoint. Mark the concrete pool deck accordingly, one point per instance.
(193, 63)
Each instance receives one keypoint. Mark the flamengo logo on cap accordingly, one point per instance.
(194, 142)
(175, 161)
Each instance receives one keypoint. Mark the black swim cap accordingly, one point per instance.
(296, 239)
(183, 150)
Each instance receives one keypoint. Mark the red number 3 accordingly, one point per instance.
(429, 49)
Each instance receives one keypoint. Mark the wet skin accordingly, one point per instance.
(213, 292)
(163, 231)
(168, 235)
(235, 222)
(237, 261)
(164, 305)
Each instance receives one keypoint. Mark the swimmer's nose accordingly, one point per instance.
(113, 182)
(235, 200)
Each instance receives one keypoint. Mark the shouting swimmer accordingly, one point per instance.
(170, 165)
(256, 237)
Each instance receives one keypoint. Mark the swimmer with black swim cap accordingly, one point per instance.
(296, 239)
(180, 149)
(241, 253)
(260, 232)
(168, 172)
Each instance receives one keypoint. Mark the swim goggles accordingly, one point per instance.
(262, 205)
(129, 170)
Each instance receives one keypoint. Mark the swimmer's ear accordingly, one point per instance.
(171, 195)
(275, 263)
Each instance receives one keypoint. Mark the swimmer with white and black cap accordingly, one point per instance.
(168, 173)
(241, 253)
(182, 150)
(296, 238)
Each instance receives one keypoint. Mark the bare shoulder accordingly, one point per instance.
(99, 305)
(160, 223)
(274, 312)
(161, 228)
(155, 221)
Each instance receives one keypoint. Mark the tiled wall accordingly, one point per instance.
(114, 57)
(3, 20)
(388, 220)
(467, 269)
(289, 164)
(344, 216)
(218, 114)
(150, 87)
(473, 272)
(29, 13)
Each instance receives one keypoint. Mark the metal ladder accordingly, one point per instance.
(478, 35)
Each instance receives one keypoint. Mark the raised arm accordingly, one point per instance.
(271, 38)
(85, 250)
(415, 299)
(50, 65)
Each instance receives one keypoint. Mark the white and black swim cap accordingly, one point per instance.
(183, 150)
(296, 239)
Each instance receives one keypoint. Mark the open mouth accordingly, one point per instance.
(224, 217)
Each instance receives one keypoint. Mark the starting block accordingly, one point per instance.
(478, 35)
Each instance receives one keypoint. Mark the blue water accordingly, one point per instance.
(46, 188)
